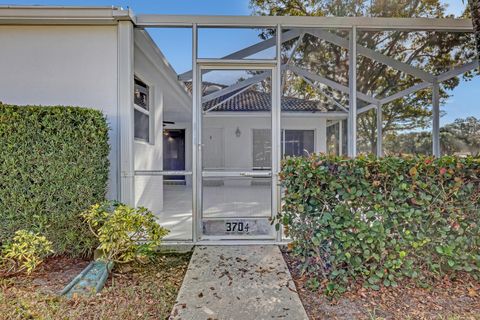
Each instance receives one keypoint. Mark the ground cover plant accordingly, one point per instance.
(125, 234)
(53, 164)
(379, 221)
(24, 253)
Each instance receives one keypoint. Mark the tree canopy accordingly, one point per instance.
(459, 137)
(434, 52)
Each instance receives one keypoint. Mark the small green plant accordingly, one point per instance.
(25, 252)
(125, 233)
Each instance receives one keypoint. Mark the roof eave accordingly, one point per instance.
(58, 15)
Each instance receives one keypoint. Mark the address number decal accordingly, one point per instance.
(236, 226)
(246, 226)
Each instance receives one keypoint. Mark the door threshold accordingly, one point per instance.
(237, 237)
(239, 242)
(236, 242)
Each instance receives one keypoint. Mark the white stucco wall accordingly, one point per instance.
(149, 155)
(168, 101)
(63, 65)
(238, 151)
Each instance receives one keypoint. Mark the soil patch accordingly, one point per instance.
(133, 291)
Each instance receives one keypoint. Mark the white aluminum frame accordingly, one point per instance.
(354, 25)
(125, 111)
(362, 23)
(299, 26)
(202, 67)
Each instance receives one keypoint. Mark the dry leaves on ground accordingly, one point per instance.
(452, 300)
(132, 292)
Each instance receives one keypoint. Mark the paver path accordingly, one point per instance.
(238, 282)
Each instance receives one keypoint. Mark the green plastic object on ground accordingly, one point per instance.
(90, 281)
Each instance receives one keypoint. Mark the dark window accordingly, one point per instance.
(141, 111)
(142, 126)
(141, 96)
(297, 142)
(262, 148)
(294, 143)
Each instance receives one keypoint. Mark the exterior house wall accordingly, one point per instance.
(63, 65)
(238, 151)
(148, 155)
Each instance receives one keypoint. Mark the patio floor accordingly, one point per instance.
(219, 201)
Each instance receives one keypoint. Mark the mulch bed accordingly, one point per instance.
(446, 299)
(133, 291)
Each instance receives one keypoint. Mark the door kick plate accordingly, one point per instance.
(237, 226)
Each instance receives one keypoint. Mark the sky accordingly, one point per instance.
(210, 7)
(176, 44)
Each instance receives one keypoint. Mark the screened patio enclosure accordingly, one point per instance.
(300, 85)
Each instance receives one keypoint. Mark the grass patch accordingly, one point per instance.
(133, 291)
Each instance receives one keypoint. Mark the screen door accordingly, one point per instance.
(236, 153)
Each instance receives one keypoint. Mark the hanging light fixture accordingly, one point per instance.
(238, 133)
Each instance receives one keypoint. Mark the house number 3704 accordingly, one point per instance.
(236, 226)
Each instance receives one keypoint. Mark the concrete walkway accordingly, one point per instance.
(238, 282)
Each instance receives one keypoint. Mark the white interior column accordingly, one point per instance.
(352, 86)
(379, 130)
(436, 119)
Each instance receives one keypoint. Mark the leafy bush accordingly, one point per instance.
(125, 234)
(53, 165)
(25, 252)
(380, 220)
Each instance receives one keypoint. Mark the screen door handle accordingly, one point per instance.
(256, 174)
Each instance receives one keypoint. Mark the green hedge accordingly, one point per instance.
(380, 220)
(53, 165)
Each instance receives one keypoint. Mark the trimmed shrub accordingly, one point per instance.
(380, 220)
(53, 165)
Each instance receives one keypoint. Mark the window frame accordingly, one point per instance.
(282, 142)
(149, 113)
(253, 130)
(282, 138)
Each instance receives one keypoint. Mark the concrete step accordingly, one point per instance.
(238, 282)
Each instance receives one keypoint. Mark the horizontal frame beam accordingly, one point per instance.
(236, 62)
(261, 114)
(162, 173)
(362, 23)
